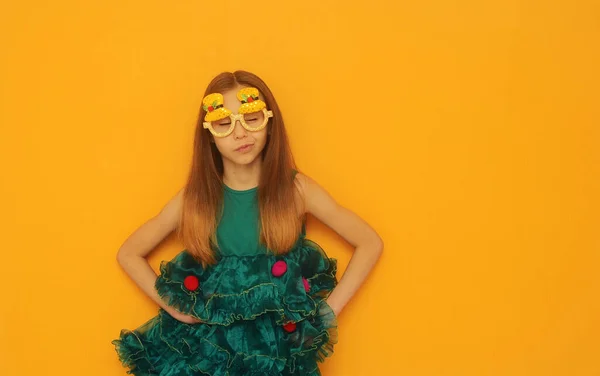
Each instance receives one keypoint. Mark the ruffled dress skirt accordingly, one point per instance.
(261, 315)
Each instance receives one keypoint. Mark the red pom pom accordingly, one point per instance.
(279, 268)
(306, 284)
(191, 282)
(289, 327)
(210, 108)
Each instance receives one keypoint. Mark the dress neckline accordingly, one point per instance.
(236, 191)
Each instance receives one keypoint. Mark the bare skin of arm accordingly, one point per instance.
(133, 252)
(368, 245)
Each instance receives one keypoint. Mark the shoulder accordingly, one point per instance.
(314, 196)
(171, 212)
(303, 182)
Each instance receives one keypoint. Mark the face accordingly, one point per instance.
(241, 147)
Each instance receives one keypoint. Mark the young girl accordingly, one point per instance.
(250, 295)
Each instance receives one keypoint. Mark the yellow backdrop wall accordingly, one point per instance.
(465, 132)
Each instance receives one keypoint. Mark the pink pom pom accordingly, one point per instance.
(279, 268)
(306, 284)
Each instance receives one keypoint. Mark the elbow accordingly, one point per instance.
(378, 246)
(122, 256)
(371, 246)
(126, 255)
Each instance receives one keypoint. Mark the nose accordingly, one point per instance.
(239, 131)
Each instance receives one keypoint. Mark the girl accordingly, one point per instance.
(250, 295)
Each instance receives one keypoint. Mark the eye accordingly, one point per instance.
(254, 118)
(221, 126)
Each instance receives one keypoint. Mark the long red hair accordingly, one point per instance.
(280, 224)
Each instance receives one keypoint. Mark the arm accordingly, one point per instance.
(132, 254)
(368, 245)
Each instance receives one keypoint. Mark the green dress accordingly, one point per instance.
(261, 314)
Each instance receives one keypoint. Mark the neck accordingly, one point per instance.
(241, 177)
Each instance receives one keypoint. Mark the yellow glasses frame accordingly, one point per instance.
(239, 117)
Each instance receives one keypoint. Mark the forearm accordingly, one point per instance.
(141, 273)
(359, 267)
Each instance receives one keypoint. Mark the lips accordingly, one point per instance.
(244, 147)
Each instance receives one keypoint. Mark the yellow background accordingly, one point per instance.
(466, 132)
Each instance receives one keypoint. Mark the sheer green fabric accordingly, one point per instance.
(246, 311)
(243, 311)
